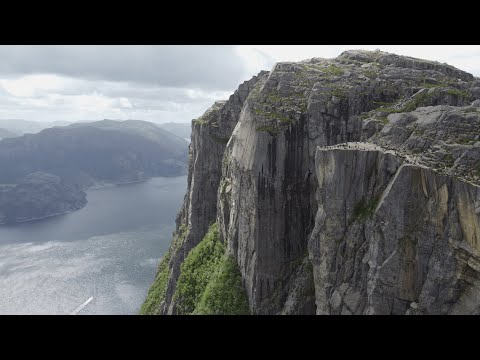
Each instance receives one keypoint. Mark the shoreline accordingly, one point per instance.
(93, 187)
(42, 217)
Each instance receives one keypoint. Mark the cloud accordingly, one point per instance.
(157, 83)
(208, 67)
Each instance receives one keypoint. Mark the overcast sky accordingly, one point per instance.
(157, 83)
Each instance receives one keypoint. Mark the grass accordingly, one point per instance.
(197, 270)
(210, 282)
(224, 294)
(449, 160)
(333, 70)
(267, 128)
(423, 99)
(383, 120)
(201, 121)
(458, 93)
(336, 91)
(157, 292)
(277, 116)
(365, 116)
(371, 74)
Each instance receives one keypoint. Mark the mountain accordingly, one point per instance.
(20, 127)
(37, 196)
(183, 130)
(96, 152)
(332, 186)
(4, 133)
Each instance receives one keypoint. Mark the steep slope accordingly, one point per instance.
(393, 237)
(269, 205)
(104, 151)
(210, 134)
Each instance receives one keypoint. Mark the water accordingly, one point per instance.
(109, 250)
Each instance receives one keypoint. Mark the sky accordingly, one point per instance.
(157, 83)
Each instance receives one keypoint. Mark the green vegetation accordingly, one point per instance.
(210, 281)
(273, 115)
(365, 116)
(224, 294)
(364, 209)
(423, 99)
(197, 270)
(267, 128)
(458, 93)
(333, 70)
(383, 120)
(156, 293)
(464, 141)
(277, 116)
(336, 91)
(470, 110)
(449, 160)
(201, 121)
(383, 103)
(370, 73)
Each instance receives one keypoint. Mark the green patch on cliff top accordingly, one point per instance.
(273, 131)
(157, 292)
(209, 281)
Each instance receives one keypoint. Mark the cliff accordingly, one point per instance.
(339, 186)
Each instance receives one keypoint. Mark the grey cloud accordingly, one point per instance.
(208, 67)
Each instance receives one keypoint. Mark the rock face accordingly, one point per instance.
(392, 237)
(210, 134)
(38, 196)
(360, 227)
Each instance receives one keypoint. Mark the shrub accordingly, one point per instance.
(157, 292)
(364, 209)
(224, 294)
(197, 270)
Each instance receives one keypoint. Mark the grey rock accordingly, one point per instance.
(418, 229)
(210, 134)
(379, 220)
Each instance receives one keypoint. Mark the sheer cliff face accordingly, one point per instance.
(267, 204)
(318, 230)
(210, 134)
(393, 237)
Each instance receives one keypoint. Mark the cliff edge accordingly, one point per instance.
(337, 186)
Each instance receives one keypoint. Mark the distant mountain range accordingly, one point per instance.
(43, 174)
(18, 127)
(103, 151)
(183, 130)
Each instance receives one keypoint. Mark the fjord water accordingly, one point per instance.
(109, 250)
